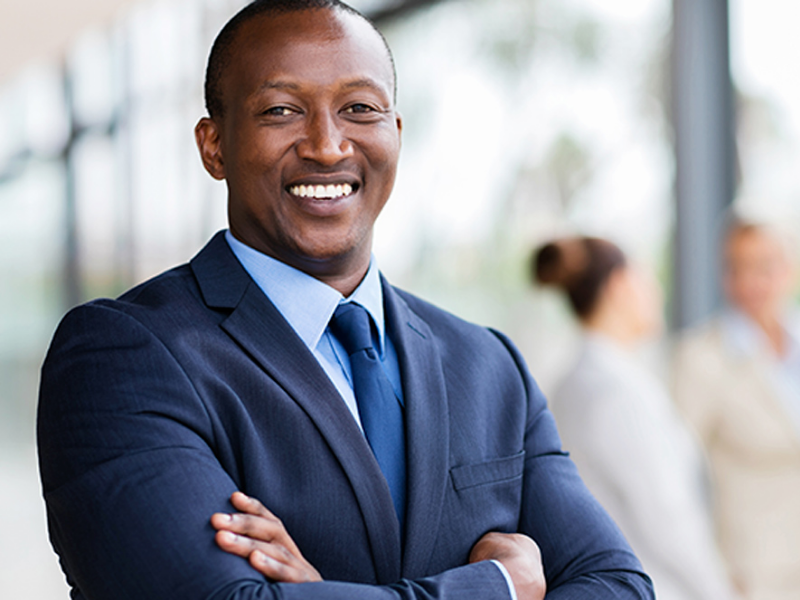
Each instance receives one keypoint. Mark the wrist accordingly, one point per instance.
(512, 591)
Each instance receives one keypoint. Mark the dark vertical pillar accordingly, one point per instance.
(704, 124)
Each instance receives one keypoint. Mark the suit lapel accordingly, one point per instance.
(773, 404)
(259, 328)
(427, 432)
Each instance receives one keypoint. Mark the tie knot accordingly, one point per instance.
(351, 326)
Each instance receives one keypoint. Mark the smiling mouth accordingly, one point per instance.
(322, 192)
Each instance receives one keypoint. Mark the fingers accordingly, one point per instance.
(254, 521)
(252, 506)
(272, 560)
(256, 534)
(244, 546)
(283, 572)
(259, 528)
(521, 557)
(496, 546)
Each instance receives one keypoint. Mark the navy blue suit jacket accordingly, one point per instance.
(155, 407)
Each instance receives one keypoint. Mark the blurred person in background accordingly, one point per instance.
(619, 425)
(737, 381)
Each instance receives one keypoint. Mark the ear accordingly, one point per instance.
(399, 122)
(209, 142)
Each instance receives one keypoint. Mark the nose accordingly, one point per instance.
(324, 142)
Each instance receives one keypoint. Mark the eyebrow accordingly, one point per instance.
(277, 85)
(287, 85)
(369, 83)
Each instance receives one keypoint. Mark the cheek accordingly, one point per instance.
(647, 304)
(261, 148)
(381, 150)
(655, 312)
(756, 284)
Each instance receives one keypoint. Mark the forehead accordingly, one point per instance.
(317, 47)
(753, 243)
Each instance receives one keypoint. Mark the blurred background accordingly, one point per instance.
(637, 120)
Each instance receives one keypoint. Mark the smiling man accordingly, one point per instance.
(273, 419)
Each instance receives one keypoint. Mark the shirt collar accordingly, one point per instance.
(306, 303)
(741, 334)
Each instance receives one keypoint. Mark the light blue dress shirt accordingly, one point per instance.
(307, 304)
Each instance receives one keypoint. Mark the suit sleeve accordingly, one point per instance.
(583, 551)
(130, 479)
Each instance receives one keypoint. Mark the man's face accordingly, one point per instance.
(758, 274)
(309, 140)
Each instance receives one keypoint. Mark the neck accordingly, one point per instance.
(611, 326)
(770, 324)
(343, 272)
(344, 277)
(345, 284)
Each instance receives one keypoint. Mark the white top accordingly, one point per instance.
(639, 460)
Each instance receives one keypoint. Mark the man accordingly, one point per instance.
(738, 384)
(222, 380)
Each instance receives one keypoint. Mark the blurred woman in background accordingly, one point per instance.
(737, 382)
(619, 425)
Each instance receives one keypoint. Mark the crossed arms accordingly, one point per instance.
(135, 463)
(257, 535)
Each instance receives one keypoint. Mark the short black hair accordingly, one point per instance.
(219, 57)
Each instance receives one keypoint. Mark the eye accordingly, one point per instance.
(359, 109)
(278, 111)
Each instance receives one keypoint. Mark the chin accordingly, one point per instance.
(342, 245)
(330, 254)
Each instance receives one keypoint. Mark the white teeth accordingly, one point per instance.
(322, 192)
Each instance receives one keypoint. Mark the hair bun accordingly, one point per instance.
(560, 262)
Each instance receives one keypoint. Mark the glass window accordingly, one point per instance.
(524, 120)
(764, 47)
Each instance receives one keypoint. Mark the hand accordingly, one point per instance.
(520, 555)
(258, 535)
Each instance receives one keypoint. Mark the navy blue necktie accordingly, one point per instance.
(380, 410)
